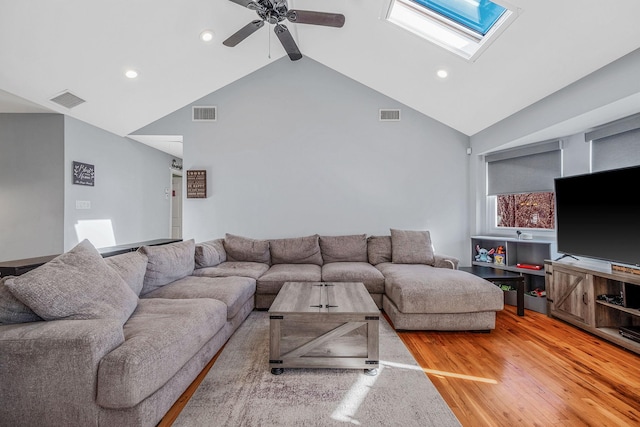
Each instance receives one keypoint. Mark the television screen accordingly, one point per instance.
(598, 215)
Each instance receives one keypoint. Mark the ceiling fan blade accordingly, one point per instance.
(287, 42)
(244, 3)
(316, 18)
(243, 33)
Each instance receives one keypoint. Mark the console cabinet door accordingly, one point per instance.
(571, 299)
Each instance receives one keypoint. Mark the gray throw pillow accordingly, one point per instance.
(350, 248)
(379, 249)
(131, 266)
(296, 250)
(411, 247)
(240, 248)
(210, 253)
(12, 310)
(75, 285)
(167, 263)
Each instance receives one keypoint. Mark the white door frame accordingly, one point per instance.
(172, 173)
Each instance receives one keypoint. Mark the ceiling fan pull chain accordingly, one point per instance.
(269, 50)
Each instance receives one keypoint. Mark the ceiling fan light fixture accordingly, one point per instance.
(131, 74)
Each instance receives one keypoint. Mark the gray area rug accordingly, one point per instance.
(240, 390)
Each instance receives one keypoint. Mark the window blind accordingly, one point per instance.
(615, 144)
(527, 169)
(617, 151)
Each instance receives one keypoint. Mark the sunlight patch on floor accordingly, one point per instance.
(349, 405)
(440, 373)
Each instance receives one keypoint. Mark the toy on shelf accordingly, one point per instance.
(484, 255)
(500, 256)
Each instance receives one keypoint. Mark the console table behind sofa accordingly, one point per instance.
(21, 266)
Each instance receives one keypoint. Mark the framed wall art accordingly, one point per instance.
(84, 174)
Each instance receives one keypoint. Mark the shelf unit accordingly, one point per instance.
(574, 287)
(518, 251)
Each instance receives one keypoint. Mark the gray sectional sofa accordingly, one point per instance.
(115, 341)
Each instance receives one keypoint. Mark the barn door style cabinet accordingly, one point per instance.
(591, 296)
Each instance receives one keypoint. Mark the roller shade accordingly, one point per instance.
(528, 169)
(616, 144)
(617, 151)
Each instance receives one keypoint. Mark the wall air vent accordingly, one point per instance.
(205, 114)
(389, 115)
(67, 100)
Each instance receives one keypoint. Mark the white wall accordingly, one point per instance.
(298, 149)
(129, 191)
(31, 189)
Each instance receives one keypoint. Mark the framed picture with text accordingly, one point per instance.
(84, 174)
(196, 184)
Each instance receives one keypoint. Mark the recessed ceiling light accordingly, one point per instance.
(132, 74)
(206, 36)
(442, 73)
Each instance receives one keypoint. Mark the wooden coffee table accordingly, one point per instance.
(324, 325)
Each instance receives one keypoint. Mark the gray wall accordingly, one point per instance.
(298, 149)
(38, 211)
(130, 182)
(31, 186)
(591, 101)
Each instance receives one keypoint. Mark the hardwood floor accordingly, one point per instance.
(529, 371)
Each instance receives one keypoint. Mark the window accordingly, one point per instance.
(520, 185)
(526, 210)
(464, 27)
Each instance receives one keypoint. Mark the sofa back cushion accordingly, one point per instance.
(167, 263)
(411, 247)
(75, 285)
(12, 310)
(296, 250)
(210, 253)
(240, 248)
(351, 248)
(379, 249)
(131, 266)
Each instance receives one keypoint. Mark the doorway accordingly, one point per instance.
(176, 204)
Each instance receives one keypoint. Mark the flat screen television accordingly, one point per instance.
(598, 215)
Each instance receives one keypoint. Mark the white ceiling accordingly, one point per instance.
(47, 47)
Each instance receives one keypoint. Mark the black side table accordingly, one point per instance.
(498, 275)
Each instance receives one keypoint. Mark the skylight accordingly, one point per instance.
(464, 27)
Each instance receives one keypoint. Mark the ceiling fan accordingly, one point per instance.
(276, 11)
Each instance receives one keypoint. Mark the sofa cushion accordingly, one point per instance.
(12, 310)
(131, 266)
(75, 285)
(296, 250)
(379, 249)
(210, 253)
(271, 281)
(351, 248)
(167, 263)
(160, 337)
(240, 248)
(411, 247)
(233, 268)
(233, 291)
(419, 288)
(362, 272)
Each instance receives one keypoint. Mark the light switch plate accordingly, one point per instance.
(83, 204)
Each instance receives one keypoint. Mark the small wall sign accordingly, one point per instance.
(196, 184)
(84, 174)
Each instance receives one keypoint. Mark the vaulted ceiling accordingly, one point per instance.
(47, 47)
